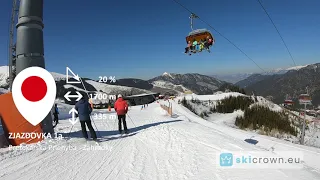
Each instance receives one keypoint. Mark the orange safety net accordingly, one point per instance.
(16, 128)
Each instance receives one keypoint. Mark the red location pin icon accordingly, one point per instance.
(34, 93)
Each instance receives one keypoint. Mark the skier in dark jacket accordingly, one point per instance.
(55, 114)
(121, 107)
(84, 110)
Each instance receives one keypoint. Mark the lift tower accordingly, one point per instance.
(12, 44)
(29, 49)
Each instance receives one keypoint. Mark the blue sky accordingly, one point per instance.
(143, 39)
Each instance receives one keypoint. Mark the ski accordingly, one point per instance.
(91, 141)
(123, 134)
(187, 53)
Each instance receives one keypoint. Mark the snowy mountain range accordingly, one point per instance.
(292, 83)
(173, 83)
(234, 78)
(170, 83)
(166, 83)
(197, 83)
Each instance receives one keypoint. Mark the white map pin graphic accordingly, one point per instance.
(34, 112)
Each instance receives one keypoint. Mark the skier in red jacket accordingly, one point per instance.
(121, 107)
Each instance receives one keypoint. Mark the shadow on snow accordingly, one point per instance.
(103, 135)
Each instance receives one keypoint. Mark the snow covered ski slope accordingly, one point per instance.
(157, 148)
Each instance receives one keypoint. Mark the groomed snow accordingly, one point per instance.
(159, 147)
(226, 119)
(312, 155)
(312, 137)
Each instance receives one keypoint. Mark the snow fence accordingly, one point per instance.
(167, 108)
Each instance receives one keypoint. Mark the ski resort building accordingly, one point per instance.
(141, 99)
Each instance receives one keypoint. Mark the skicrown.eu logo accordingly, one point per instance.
(226, 159)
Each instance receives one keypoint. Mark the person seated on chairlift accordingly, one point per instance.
(198, 46)
(208, 42)
(188, 48)
(201, 45)
(191, 47)
(194, 45)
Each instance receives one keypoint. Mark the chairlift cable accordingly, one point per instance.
(299, 73)
(277, 31)
(220, 34)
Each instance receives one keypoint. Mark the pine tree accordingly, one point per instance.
(259, 116)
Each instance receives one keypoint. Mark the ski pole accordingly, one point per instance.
(70, 132)
(131, 120)
(96, 127)
(89, 98)
(115, 124)
(105, 123)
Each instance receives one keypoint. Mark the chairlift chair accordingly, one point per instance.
(198, 34)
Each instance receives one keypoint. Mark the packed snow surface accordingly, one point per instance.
(159, 147)
(216, 97)
(312, 137)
